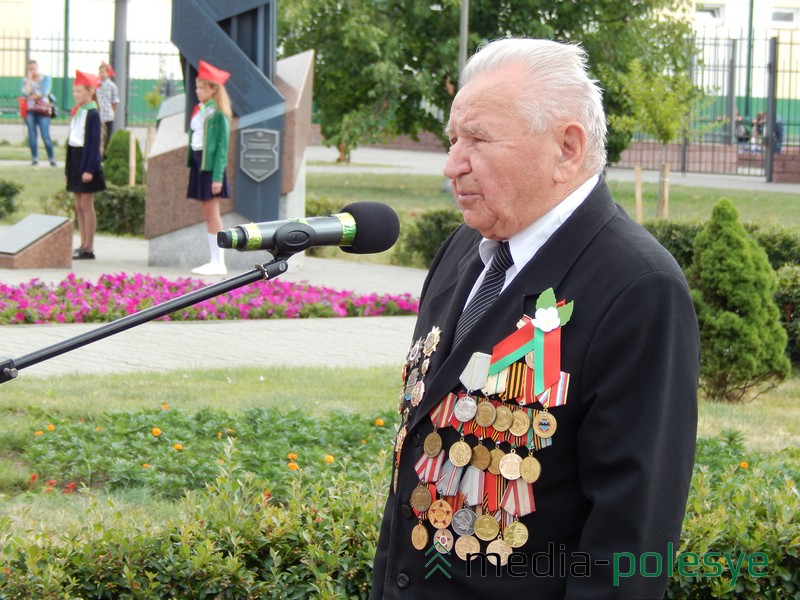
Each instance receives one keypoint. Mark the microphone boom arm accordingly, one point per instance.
(10, 367)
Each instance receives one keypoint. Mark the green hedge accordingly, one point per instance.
(233, 540)
(120, 210)
(782, 245)
(9, 190)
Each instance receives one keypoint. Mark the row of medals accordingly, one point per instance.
(465, 522)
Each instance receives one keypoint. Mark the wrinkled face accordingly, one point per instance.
(204, 90)
(502, 173)
(82, 94)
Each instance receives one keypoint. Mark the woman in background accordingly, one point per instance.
(84, 167)
(36, 86)
(208, 157)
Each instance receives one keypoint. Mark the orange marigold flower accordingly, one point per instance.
(178, 446)
(146, 465)
(219, 434)
(98, 428)
(329, 458)
(51, 427)
(379, 422)
(363, 441)
(165, 407)
(38, 432)
(291, 456)
(744, 464)
(293, 466)
(155, 431)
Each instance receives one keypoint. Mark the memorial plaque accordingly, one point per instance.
(258, 158)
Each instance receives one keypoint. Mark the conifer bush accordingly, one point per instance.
(115, 165)
(733, 286)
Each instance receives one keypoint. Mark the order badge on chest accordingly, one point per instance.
(474, 493)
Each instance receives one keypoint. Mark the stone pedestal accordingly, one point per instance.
(37, 242)
(174, 224)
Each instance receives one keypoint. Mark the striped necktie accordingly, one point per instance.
(489, 289)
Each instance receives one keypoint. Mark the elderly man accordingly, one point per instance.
(548, 405)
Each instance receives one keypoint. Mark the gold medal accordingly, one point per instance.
(460, 453)
(529, 359)
(421, 498)
(486, 527)
(431, 341)
(443, 541)
(432, 444)
(465, 408)
(509, 466)
(516, 534)
(530, 469)
(544, 424)
(485, 414)
(440, 514)
(494, 461)
(503, 418)
(467, 548)
(464, 521)
(480, 457)
(520, 423)
(419, 536)
(498, 549)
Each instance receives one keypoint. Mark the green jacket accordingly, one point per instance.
(216, 134)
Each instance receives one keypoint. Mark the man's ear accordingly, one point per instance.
(572, 138)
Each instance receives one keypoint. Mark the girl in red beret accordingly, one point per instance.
(84, 167)
(208, 157)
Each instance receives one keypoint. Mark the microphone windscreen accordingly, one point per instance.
(377, 227)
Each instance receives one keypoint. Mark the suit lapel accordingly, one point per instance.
(547, 269)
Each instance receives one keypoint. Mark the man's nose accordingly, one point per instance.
(457, 162)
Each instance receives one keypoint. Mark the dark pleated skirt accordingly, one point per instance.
(74, 183)
(200, 181)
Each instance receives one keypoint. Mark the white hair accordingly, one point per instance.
(558, 88)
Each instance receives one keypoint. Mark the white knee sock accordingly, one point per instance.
(216, 253)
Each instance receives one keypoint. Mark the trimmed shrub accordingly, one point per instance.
(676, 236)
(115, 165)
(62, 204)
(787, 297)
(9, 190)
(733, 287)
(235, 539)
(421, 238)
(120, 210)
(781, 245)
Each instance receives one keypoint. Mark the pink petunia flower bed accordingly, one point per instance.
(75, 300)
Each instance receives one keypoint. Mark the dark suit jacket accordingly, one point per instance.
(616, 478)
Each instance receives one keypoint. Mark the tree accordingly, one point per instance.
(659, 107)
(743, 344)
(388, 67)
(360, 80)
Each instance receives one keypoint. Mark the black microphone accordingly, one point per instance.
(361, 228)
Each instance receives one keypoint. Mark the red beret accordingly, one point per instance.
(108, 68)
(212, 73)
(87, 79)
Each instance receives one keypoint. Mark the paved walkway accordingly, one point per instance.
(160, 346)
